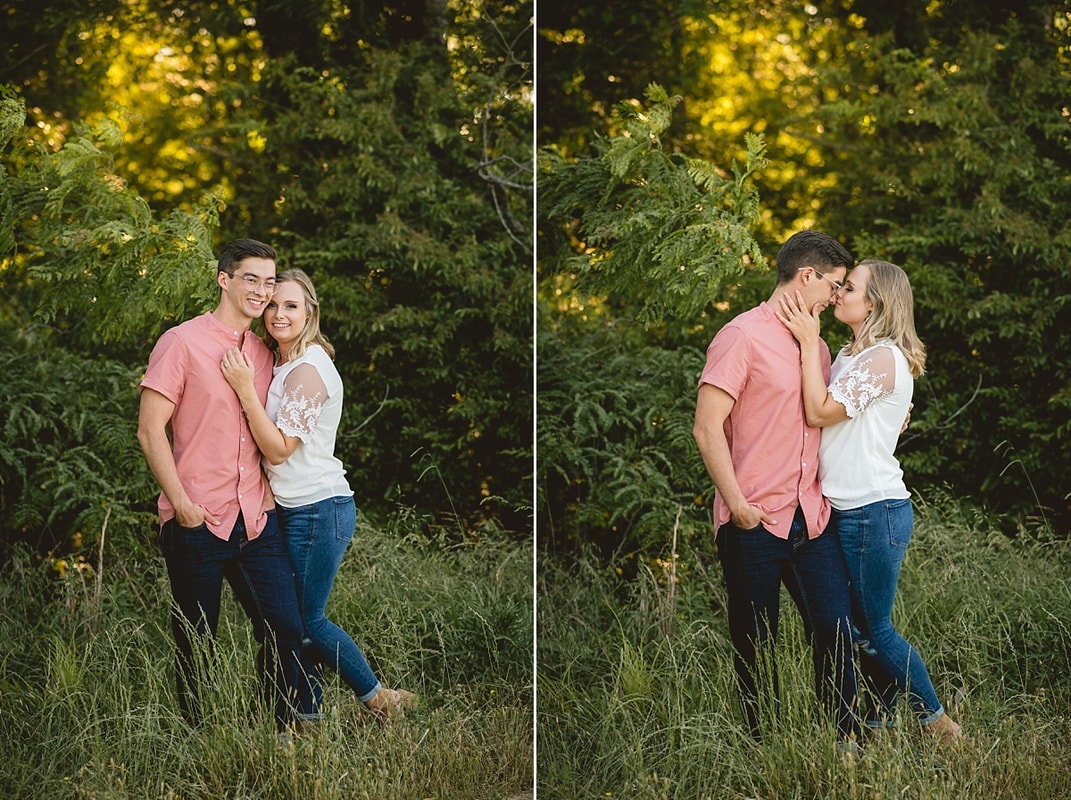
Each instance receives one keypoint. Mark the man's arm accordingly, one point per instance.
(153, 417)
(711, 410)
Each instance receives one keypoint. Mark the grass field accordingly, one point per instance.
(637, 699)
(87, 706)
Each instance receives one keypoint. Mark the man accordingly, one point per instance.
(217, 515)
(769, 512)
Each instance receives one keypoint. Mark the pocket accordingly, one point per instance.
(176, 539)
(345, 518)
(901, 520)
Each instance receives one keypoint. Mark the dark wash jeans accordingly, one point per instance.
(755, 563)
(260, 574)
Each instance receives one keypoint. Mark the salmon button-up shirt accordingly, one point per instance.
(217, 459)
(755, 359)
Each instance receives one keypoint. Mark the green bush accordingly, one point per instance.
(71, 470)
(952, 162)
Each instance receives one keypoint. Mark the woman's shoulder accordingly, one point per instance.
(315, 354)
(315, 357)
(885, 351)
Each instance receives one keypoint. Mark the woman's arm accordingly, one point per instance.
(273, 444)
(818, 404)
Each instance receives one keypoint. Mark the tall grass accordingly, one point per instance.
(87, 706)
(637, 696)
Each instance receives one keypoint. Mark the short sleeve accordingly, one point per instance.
(872, 377)
(304, 395)
(166, 372)
(728, 361)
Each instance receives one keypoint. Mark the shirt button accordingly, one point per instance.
(805, 463)
(240, 469)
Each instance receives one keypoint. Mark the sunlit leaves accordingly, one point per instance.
(656, 231)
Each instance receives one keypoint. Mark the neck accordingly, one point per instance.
(284, 354)
(787, 290)
(239, 322)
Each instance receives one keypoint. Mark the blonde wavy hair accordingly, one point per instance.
(892, 315)
(310, 334)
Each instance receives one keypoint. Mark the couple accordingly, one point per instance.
(204, 428)
(785, 437)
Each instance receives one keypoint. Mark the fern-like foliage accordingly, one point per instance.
(106, 263)
(69, 456)
(651, 227)
(86, 264)
(617, 458)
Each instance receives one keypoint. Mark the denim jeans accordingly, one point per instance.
(316, 537)
(755, 563)
(259, 573)
(874, 539)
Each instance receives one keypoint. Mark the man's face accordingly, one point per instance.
(248, 291)
(821, 286)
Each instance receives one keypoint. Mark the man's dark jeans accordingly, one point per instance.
(260, 574)
(755, 563)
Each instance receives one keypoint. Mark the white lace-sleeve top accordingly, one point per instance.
(856, 460)
(305, 400)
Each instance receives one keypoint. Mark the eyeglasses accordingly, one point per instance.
(252, 283)
(836, 286)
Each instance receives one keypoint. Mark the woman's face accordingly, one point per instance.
(286, 315)
(851, 305)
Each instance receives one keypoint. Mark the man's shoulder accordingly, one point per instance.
(744, 324)
(185, 329)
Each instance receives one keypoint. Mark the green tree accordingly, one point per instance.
(953, 162)
(91, 272)
(402, 182)
(656, 238)
(933, 136)
(386, 149)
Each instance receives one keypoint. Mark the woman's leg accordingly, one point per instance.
(317, 536)
(874, 539)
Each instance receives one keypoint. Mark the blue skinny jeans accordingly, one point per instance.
(316, 538)
(874, 539)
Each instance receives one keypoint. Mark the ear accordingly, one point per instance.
(221, 278)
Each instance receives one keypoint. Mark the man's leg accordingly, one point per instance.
(263, 581)
(819, 584)
(752, 563)
(195, 561)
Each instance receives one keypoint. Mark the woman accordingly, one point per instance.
(863, 412)
(296, 436)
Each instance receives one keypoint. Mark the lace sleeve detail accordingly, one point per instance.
(304, 395)
(869, 379)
